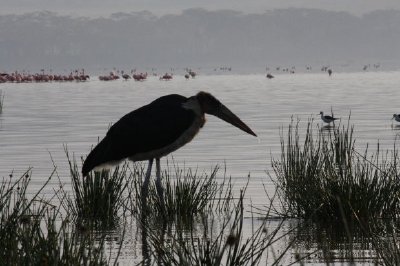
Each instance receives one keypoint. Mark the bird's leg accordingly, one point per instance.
(145, 186)
(159, 187)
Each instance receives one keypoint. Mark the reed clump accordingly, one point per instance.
(214, 240)
(203, 223)
(325, 178)
(34, 231)
(387, 246)
(98, 197)
(383, 236)
(186, 193)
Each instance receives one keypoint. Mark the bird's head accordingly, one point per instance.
(394, 116)
(321, 113)
(211, 105)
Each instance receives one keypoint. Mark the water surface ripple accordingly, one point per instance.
(38, 119)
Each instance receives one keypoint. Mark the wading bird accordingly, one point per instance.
(326, 118)
(396, 117)
(156, 130)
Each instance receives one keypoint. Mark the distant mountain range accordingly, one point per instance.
(198, 38)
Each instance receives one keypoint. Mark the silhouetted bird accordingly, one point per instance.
(326, 118)
(156, 130)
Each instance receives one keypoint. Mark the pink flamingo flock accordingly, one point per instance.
(79, 75)
(115, 76)
(17, 77)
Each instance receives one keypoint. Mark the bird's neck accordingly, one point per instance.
(193, 104)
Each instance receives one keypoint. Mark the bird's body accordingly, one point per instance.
(396, 117)
(156, 130)
(143, 134)
(126, 76)
(326, 118)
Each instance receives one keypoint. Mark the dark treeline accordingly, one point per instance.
(198, 37)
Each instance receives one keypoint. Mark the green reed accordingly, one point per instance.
(98, 197)
(383, 236)
(325, 178)
(214, 239)
(35, 231)
(387, 247)
(202, 223)
(186, 193)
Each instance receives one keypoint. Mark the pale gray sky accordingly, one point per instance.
(160, 7)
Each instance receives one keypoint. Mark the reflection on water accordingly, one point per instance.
(327, 128)
(211, 238)
(395, 127)
(332, 243)
(38, 119)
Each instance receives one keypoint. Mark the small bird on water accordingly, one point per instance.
(157, 129)
(326, 118)
(396, 117)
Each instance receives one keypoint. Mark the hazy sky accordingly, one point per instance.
(160, 7)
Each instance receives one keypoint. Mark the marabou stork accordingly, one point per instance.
(326, 118)
(156, 130)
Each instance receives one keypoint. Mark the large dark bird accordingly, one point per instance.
(156, 130)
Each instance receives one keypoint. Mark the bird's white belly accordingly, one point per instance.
(106, 166)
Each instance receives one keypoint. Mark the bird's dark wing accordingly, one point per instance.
(151, 127)
(148, 128)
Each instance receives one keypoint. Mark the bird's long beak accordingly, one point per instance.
(225, 114)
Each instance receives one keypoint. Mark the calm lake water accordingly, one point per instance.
(38, 119)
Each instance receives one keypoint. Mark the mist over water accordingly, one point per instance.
(198, 37)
